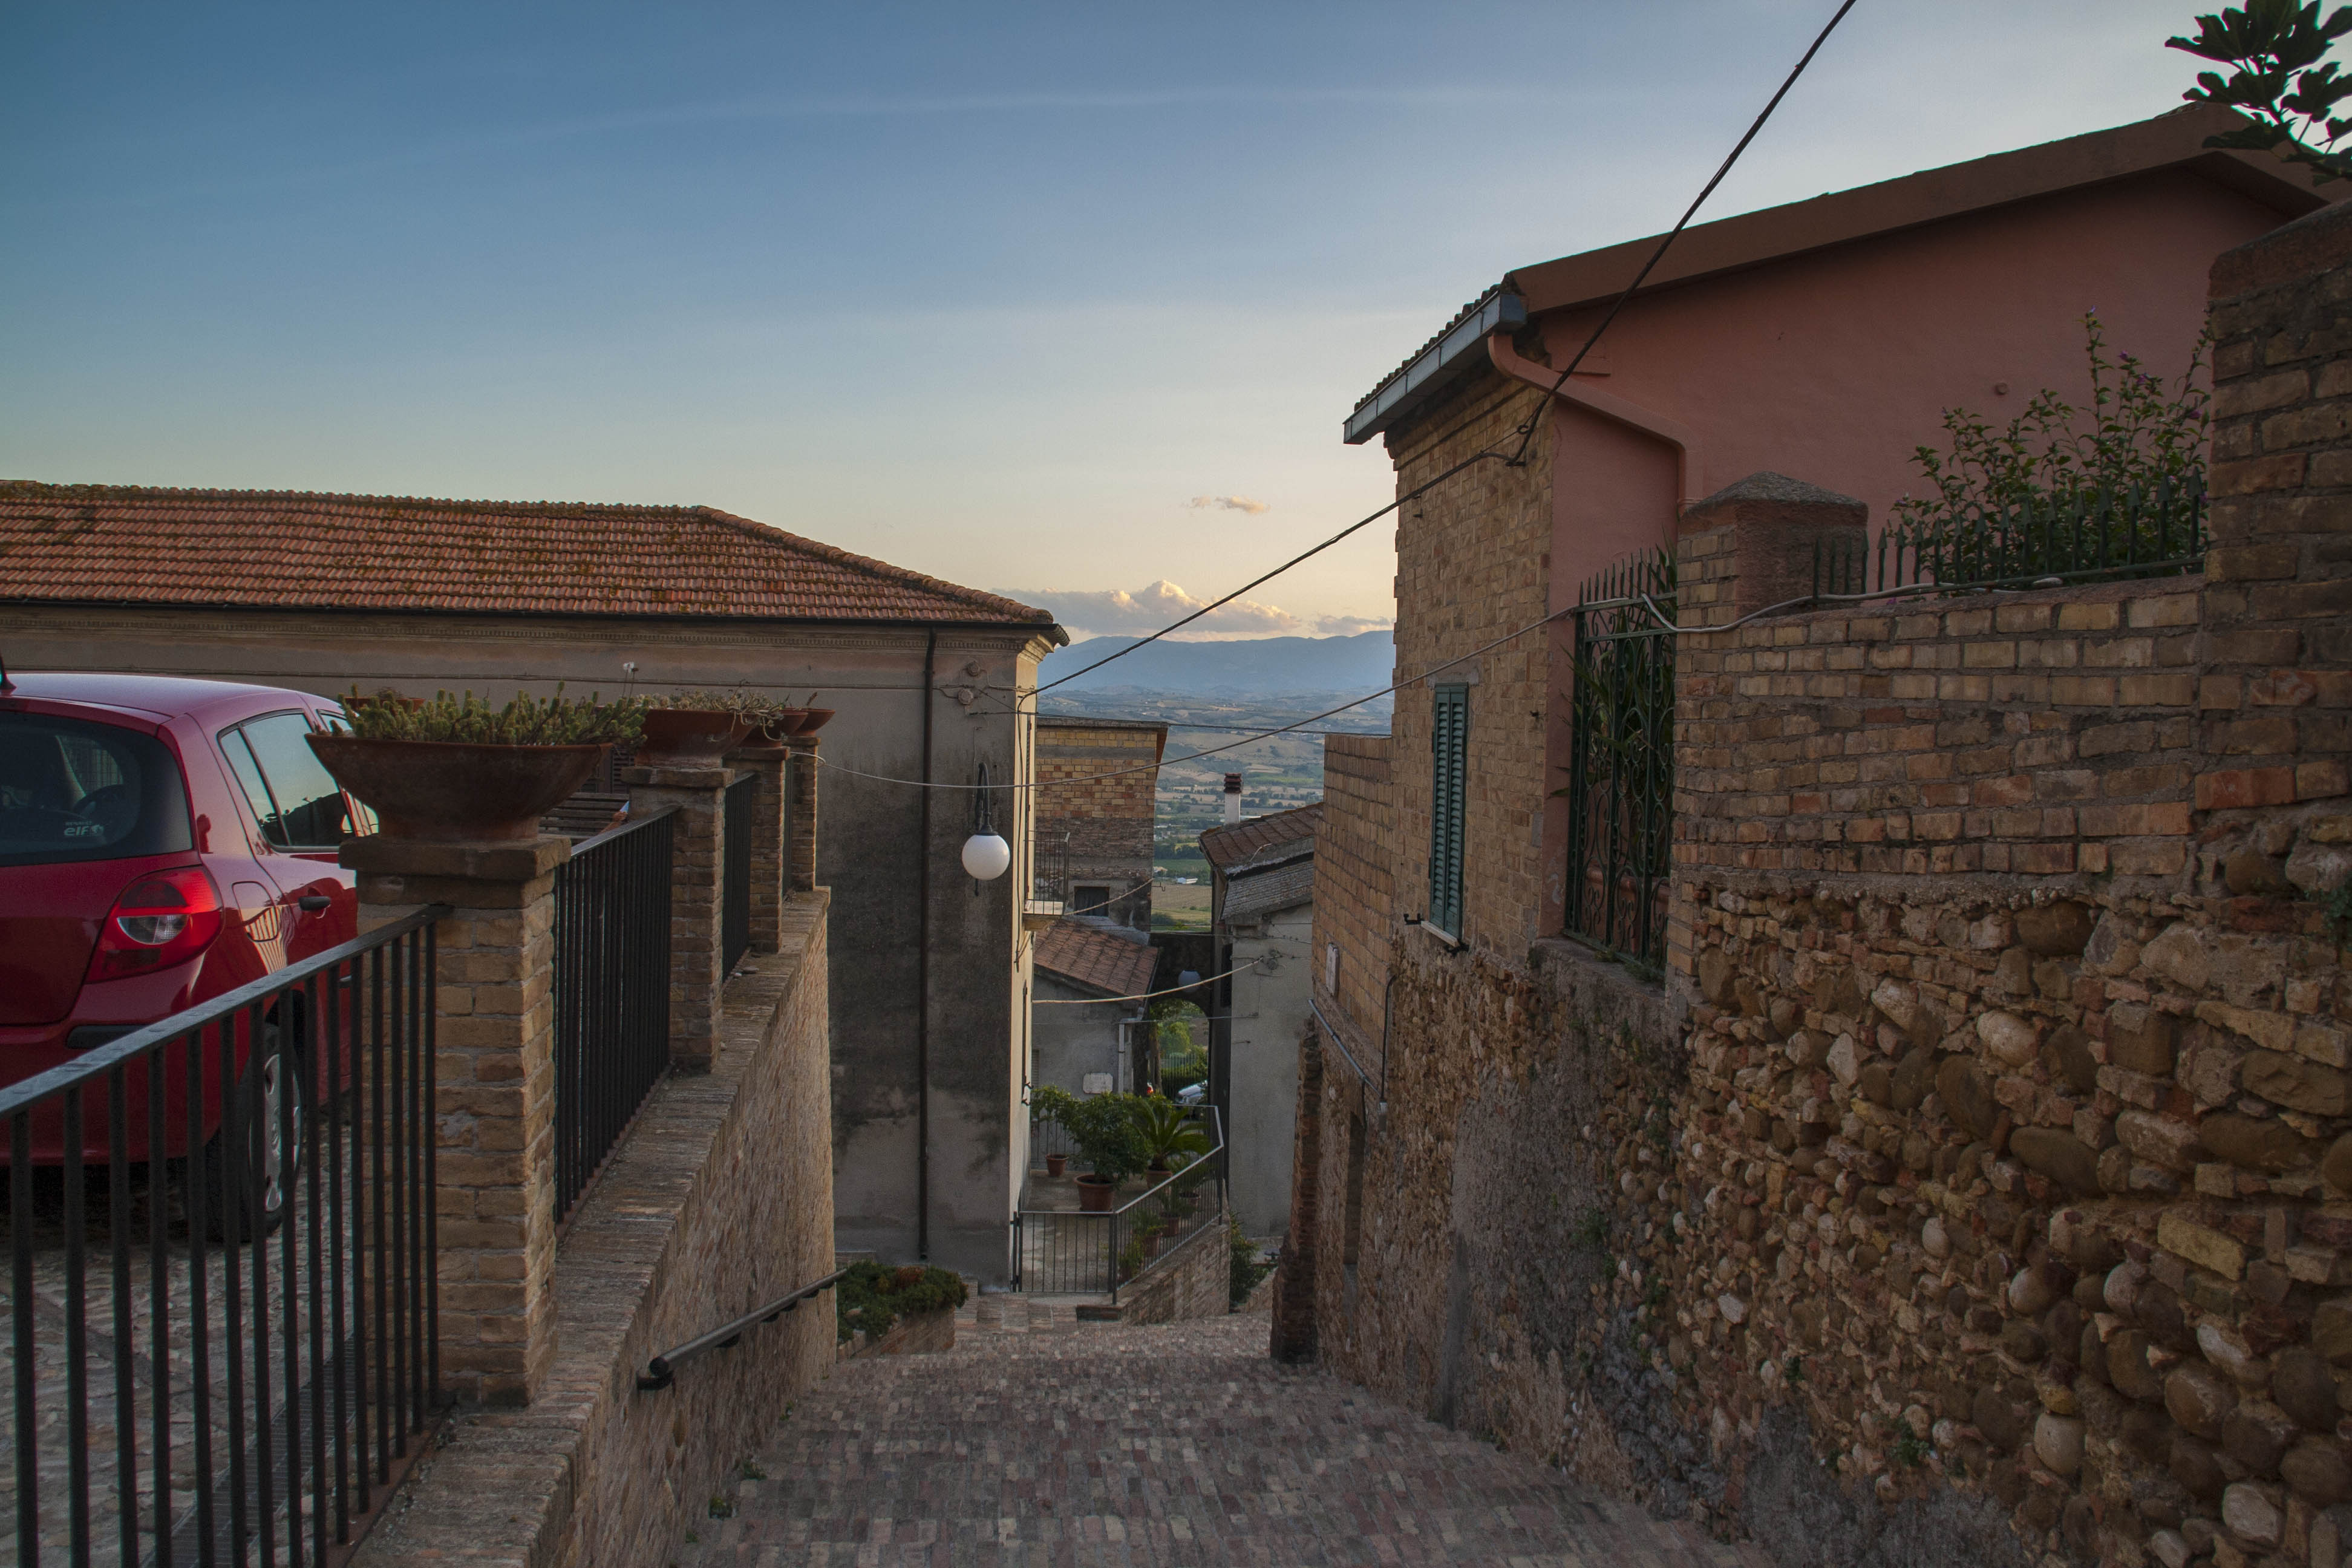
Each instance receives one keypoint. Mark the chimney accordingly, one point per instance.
(1233, 798)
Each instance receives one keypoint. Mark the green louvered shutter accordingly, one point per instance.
(1449, 768)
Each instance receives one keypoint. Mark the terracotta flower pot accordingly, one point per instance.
(785, 721)
(1150, 1247)
(1095, 1194)
(816, 720)
(689, 737)
(456, 792)
(1057, 1164)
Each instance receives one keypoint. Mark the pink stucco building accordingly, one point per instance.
(1823, 340)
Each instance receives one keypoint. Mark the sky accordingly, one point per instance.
(1063, 300)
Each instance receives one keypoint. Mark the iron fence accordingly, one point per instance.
(1067, 1251)
(1620, 764)
(221, 1293)
(612, 992)
(735, 872)
(2046, 542)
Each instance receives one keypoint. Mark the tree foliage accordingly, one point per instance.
(2281, 80)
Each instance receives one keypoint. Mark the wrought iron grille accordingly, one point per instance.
(1060, 1251)
(735, 874)
(1621, 765)
(612, 992)
(2091, 536)
(222, 1294)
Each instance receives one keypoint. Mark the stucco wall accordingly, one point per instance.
(870, 852)
(1069, 1042)
(1270, 1015)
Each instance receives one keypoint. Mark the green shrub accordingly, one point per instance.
(525, 720)
(871, 1297)
(1110, 1134)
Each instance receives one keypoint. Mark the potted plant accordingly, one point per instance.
(1110, 1141)
(456, 770)
(816, 717)
(691, 730)
(1147, 1231)
(1046, 1103)
(1170, 1137)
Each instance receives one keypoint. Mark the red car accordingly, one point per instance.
(162, 842)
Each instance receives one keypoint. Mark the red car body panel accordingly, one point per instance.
(52, 914)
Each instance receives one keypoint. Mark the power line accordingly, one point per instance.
(1212, 750)
(1527, 430)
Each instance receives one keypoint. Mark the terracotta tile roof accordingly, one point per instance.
(1096, 960)
(1230, 849)
(293, 550)
(1255, 895)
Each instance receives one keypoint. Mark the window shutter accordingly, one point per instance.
(1449, 763)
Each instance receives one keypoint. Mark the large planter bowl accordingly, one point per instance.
(1096, 1196)
(689, 737)
(784, 722)
(456, 792)
(816, 720)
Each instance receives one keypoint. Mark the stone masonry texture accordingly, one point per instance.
(1976, 1185)
(1042, 1441)
(1098, 830)
(721, 1199)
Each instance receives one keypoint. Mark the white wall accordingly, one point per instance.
(1269, 1015)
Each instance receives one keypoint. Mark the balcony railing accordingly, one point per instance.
(612, 992)
(1065, 1252)
(221, 1295)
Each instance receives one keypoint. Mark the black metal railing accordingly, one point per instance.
(1048, 1138)
(1620, 764)
(224, 1341)
(1067, 1251)
(662, 1370)
(735, 872)
(2043, 542)
(612, 992)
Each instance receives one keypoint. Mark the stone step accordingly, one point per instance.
(1042, 1440)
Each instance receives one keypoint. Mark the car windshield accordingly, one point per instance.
(71, 790)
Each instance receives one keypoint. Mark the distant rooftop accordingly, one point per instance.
(1093, 959)
(1260, 840)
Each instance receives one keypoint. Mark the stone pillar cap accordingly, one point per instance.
(1778, 491)
(500, 860)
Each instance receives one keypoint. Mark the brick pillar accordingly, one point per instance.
(767, 844)
(1293, 1334)
(495, 1100)
(801, 851)
(2278, 576)
(1745, 548)
(696, 957)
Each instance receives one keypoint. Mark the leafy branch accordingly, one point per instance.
(2281, 82)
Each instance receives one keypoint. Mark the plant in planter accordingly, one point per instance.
(871, 1297)
(1171, 1138)
(1109, 1138)
(771, 720)
(455, 769)
(693, 730)
(1148, 1232)
(1047, 1102)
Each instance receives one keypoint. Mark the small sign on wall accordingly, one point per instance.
(1097, 1083)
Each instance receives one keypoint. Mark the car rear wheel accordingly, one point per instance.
(272, 1101)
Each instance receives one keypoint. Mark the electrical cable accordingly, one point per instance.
(1245, 740)
(1139, 996)
(1527, 430)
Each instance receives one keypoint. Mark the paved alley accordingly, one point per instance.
(1040, 1440)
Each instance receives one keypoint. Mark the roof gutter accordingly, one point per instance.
(1438, 366)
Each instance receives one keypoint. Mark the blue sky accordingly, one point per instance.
(991, 291)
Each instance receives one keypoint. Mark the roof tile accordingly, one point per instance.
(1096, 959)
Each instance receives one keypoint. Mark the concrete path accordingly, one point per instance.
(1039, 1440)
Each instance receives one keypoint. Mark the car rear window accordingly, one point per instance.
(70, 790)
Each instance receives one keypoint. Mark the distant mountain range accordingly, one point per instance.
(1249, 667)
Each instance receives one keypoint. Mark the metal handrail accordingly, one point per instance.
(662, 1370)
(609, 833)
(95, 1061)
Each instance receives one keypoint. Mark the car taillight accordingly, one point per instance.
(161, 920)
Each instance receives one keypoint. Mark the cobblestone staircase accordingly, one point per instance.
(1039, 1440)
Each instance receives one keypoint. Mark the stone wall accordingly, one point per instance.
(1190, 1279)
(1990, 1139)
(1355, 854)
(1099, 830)
(720, 1199)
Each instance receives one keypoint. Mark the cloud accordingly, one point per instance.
(1230, 503)
(1119, 613)
(1351, 625)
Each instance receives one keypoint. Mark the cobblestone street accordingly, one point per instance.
(1040, 1440)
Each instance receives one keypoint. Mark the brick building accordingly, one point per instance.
(323, 592)
(1094, 839)
(1988, 1138)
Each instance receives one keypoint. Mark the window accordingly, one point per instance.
(1449, 744)
(1089, 898)
(295, 801)
(76, 791)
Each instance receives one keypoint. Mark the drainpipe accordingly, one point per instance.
(923, 977)
(1610, 406)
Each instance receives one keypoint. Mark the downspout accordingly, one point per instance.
(923, 977)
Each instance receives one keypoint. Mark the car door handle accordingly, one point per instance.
(314, 902)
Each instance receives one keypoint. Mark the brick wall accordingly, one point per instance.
(1990, 1142)
(1191, 1279)
(1355, 853)
(1099, 830)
